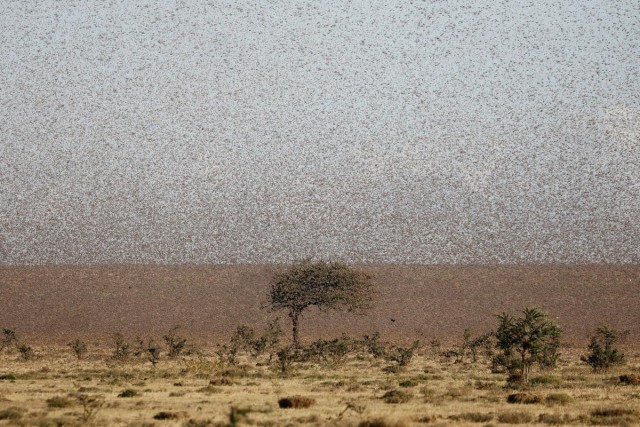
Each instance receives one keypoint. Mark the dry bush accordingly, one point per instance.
(13, 413)
(166, 415)
(26, 352)
(614, 416)
(129, 393)
(296, 402)
(199, 366)
(60, 402)
(629, 379)
(221, 381)
(546, 380)
(515, 417)
(524, 398)
(558, 399)
(474, 417)
(78, 347)
(554, 419)
(396, 396)
(410, 382)
(382, 422)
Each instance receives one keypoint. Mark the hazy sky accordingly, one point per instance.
(369, 131)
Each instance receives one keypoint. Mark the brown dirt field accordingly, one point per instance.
(210, 301)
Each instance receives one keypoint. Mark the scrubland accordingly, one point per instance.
(353, 385)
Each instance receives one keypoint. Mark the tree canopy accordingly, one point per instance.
(325, 285)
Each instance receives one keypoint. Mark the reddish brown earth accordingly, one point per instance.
(424, 301)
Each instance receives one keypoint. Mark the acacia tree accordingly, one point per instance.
(525, 341)
(325, 285)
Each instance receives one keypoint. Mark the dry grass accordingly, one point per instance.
(57, 389)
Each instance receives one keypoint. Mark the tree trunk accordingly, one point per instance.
(294, 323)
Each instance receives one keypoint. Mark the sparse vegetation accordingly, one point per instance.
(78, 347)
(403, 355)
(342, 374)
(128, 393)
(121, 348)
(396, 396)
(9, 338)
(175, 343)
(602, 353)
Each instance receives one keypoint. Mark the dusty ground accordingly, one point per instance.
(210, 301)
(199, 390)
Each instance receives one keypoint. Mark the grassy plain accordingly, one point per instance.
(197, 389)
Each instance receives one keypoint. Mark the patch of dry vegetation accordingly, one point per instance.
(203, 389)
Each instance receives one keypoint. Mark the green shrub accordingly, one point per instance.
(602, 354)
(524, 342)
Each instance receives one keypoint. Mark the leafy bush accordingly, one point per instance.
(602, 354)
(523, 342)
(286, 357)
